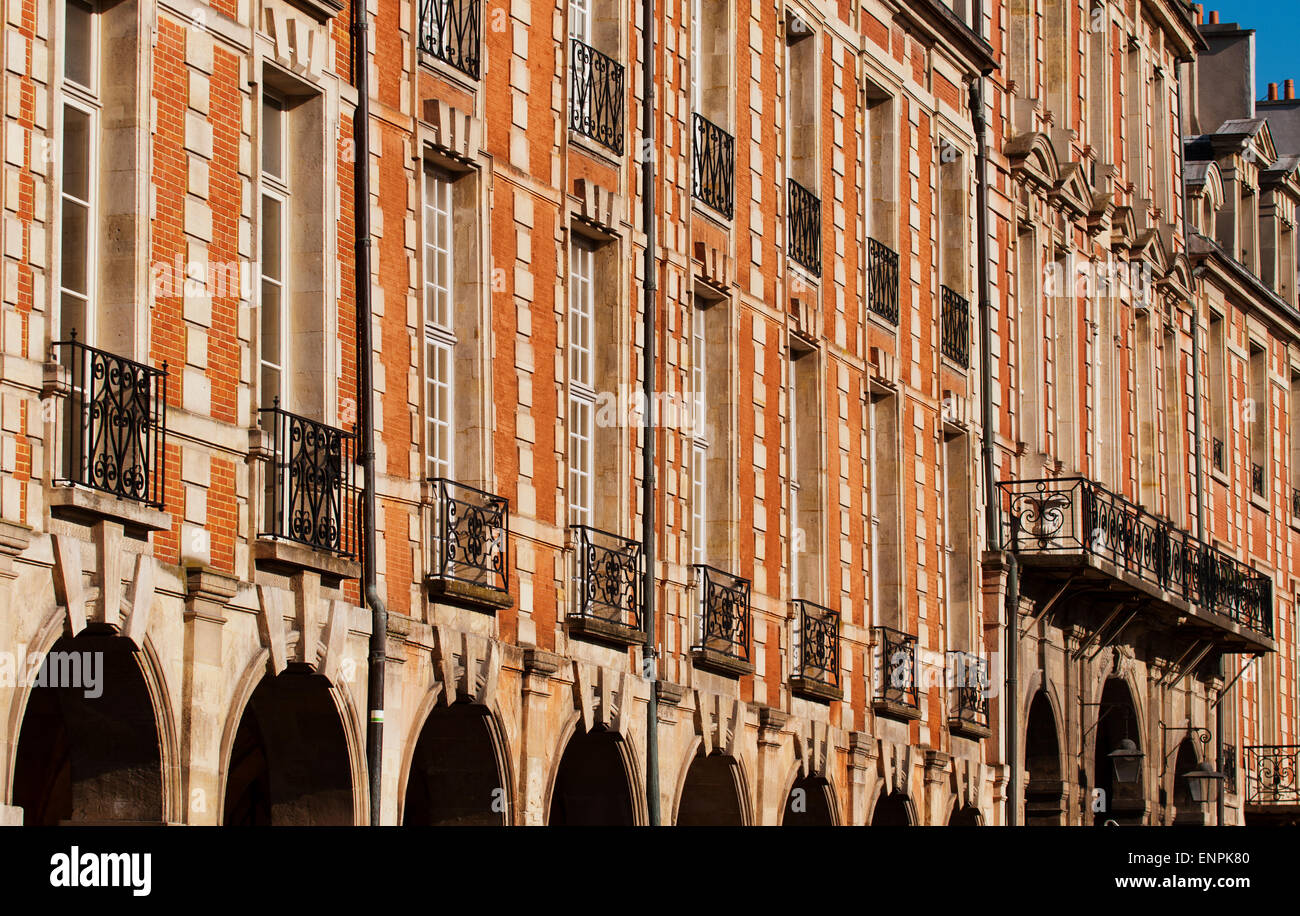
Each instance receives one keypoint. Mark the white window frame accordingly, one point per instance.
(275, 188)
(696, 45)
(792, 465)
(700, 440)
(580, 20)
(582, 395)
(85, 99)
(438, 268)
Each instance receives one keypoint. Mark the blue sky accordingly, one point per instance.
(1277, 29)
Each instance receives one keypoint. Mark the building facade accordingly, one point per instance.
(936, 361)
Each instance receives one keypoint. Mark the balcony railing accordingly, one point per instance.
(722, 624)
(1257, 479)
(1218, 454)
(816, 645)
(968, 685)
(311, 485)
(1072, 515)
(955, 327)
(596, 89)
(471, 531)
(607, 578)
(713, 166)
(896, 669)
(805, 227)
(1271, 774)
(449, 31)
(1230, 768)
(882, 271)
(114, 424)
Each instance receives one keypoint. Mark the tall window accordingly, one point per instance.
(1218, 395)
(1135, 121)
(1293, 408)
(804, 462)
(1099, 85)
(80, 115)
(1259, 420)
(439, 328)
(886, 511)
(580, 20)
(273, 350)
(1065, 361)
(1029, 338)
(959, 546)
(582, 395)
(700, 439)
(1056, 32)
(1175, 428)
(1148, 460)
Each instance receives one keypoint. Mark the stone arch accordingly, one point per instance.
(268, 716)
(1118, 717)
(893, 809)
(1186, 812)
(820, 807)
(1043, 762)
(966, 815)
(478, 769)
(602, 756)
(714, 791)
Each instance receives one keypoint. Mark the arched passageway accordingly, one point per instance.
(712, 794)
(456, 778)
(1118, 761)
(88, 750)
(592, 786)
(1186, 811)
(809, 804)
(965, 816)
(289, 763)
(1044, 782)
(893, 810)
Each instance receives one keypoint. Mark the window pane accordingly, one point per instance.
(272, 237)
(272, 137)
(78, 44)
(271, 324)
(73, 308)
(76, 152)
(75, 240)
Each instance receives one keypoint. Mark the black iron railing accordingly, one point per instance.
(955, 326)
(882, 277)
(470, 530)
(722, 623)
(1230, 768)
(311, 484)
(1072, 515)
(449, 30)
(1271, 774)
(1218, 454)
(968, 688)
(1257, 479)
(816, 644)
(805, 227)
(114, 423)
(896, 667)
(596, 96)
(607, 577)
(713, 166)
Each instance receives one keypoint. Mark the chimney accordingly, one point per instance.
(1200, 13)
(1214, 17)
(1288, 90)
(1272, 92)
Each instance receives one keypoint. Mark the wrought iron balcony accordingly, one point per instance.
(1073, 525)
(607, 585)
(722, 621)
(896, 680)
(311, 483)
(596, 96)
(713, 166)
(805, 212)
(1218, 454)
(816, 650)
(1257, 479)
(1271, 774)
(955, 326)
(449, 31)
(968, 687)
(114, 423)
(882, 277)
(470, 531)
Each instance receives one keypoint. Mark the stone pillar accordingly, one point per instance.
(535, 748)
(202, 701)
(936, 800)
(862, 776)
(768, 800)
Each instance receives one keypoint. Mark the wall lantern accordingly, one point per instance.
(1127, 762)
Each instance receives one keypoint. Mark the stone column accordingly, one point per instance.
(202, 703)
(534, 756)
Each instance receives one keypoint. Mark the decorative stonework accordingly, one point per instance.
(451, 131)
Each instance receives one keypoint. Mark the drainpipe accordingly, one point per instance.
(992, 534)
(649, 286)
(1198, 428)
(366, 402)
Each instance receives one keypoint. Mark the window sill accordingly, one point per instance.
(604, 154)
(893, 710)
(1220, 475)
(721, 663)
(815, 690)
(468, 595)
(291, 557)
(320, 10)
(457, 77)
(604, 630)
(83, 504)
(1259, 502)
(967, 729)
